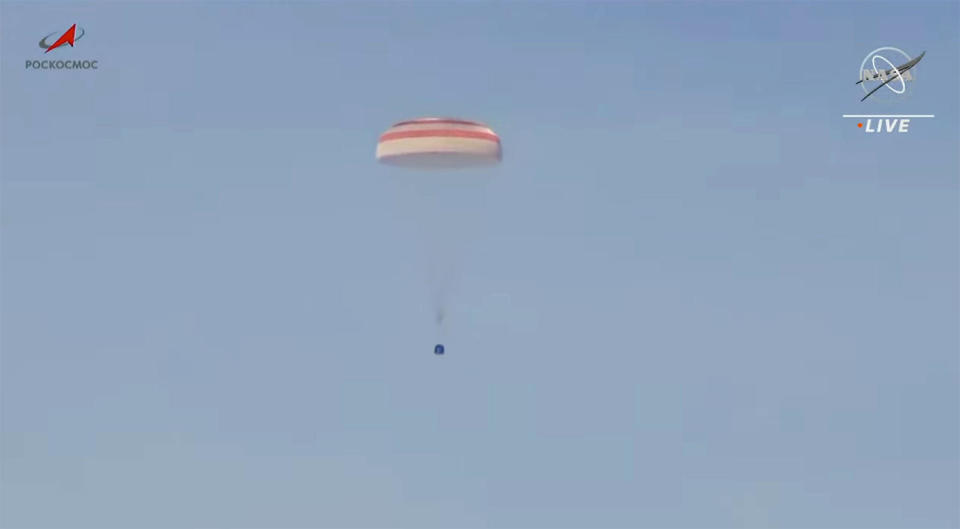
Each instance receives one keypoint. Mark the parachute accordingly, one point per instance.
(426, 147)
(438, 350)
(439, 143)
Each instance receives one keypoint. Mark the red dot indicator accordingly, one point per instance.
(859, 124)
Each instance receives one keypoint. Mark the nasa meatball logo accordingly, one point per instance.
(877, 71)
(886, 76)
(56, 41)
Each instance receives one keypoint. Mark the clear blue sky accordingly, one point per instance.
(692, 295)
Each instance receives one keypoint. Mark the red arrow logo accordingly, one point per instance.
(66, 38)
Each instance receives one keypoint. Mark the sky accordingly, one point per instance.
(692, 294)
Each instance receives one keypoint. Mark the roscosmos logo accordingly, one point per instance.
(51, 42)
(69, 37)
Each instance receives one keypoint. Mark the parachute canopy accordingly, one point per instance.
(439, 143)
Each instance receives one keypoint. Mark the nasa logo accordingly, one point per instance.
(893, 77)
(876, 72)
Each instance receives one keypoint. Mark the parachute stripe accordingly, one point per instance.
(441, 121)
(446, 126)
(439, 133)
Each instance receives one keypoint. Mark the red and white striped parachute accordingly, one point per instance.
(439, 143)
(443, 205)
